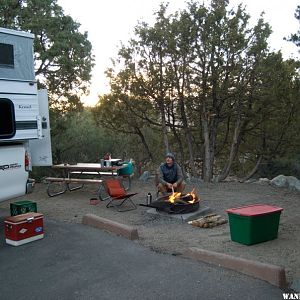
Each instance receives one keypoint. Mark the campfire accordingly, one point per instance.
(183, 198)
(177, 203)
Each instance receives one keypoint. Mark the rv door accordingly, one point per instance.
(40, 149)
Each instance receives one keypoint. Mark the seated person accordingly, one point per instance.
(170, 176)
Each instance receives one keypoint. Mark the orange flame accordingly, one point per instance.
(194, 196)
(175, 195)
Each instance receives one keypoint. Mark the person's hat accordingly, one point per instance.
(171, 155)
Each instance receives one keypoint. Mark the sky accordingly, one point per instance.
(111, 22)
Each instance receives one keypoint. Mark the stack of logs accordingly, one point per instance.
(208, 221)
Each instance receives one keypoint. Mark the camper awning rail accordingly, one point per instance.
(17, 33)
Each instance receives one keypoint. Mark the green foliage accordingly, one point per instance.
(62, 53)
(284, 166)
(295, 37)
(76, 138)
(203, 80)
(118, 117)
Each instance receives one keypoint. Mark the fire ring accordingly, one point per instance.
(181, 206)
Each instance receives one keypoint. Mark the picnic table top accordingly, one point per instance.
(88, 167)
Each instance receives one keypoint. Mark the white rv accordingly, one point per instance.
(24, 115)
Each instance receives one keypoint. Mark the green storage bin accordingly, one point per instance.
(254, 224)
(22, 207)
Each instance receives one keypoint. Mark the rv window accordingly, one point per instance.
(7, 119)
(6, 55)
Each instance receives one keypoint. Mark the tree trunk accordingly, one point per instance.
(161, 102)
(212, 146)
(164, 130)
(181, 150)
(188, 135)
(207, 159)
(236, 140)
(177, 138)
(143, 140)
(254, 170)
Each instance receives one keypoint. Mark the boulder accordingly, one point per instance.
(296, 285)
(195, 180)
(215, 179)
(251, 180)
(264, 181)
(293, 183)
(279, 181)
(145, 176)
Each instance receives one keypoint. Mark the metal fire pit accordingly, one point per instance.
(179, 207)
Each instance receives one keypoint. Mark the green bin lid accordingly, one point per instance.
(254, 210)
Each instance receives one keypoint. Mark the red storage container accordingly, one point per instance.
(254, 224)
(25, 228)
(254, 210)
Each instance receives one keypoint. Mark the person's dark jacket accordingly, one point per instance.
(170, 174)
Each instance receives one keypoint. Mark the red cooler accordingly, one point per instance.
(25, 228)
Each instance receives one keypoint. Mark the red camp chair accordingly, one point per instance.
(118, 195)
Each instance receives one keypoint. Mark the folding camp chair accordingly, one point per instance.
(118, 195)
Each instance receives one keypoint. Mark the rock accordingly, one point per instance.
(264, 181)
(250, 180)
(145, 176)
(293, 183)
(279, 181)
(231, 179)
(296, 285)
(215, 179)
(195, 180)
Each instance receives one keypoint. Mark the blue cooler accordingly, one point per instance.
(128, 170)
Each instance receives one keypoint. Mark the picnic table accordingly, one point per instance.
(78, 174)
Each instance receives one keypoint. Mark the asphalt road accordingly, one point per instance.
(74, 261)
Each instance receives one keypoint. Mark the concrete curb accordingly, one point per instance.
(111, 226)
(270, 273)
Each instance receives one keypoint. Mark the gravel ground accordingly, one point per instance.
(163, 234)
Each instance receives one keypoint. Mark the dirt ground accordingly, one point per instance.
(168, 235)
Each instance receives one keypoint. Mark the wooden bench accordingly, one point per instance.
(66, 182)
(94, 173)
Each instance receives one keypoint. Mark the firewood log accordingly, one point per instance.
(220, 222)
(176, 200)
(213, 219)
(180, 201)
(197, 223)
(202, 218)
(208, 222)
(210, 215)
(217, 223)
